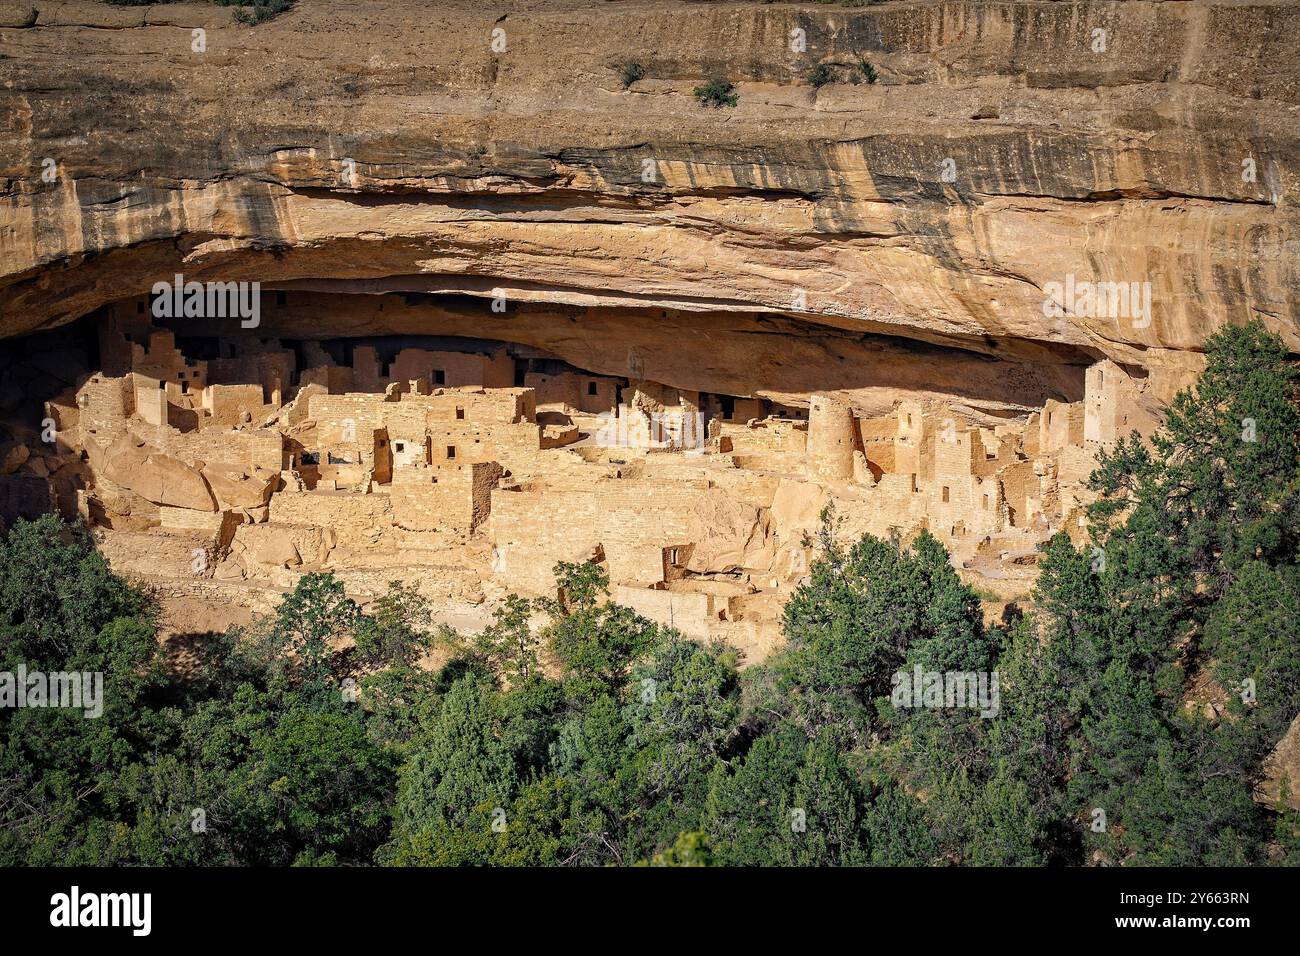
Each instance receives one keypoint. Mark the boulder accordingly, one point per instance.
(795, 509)
(722, 530)
(13, 455)
(272, 550)
(237, 488)
(156, 477)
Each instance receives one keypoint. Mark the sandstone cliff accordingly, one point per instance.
(386, 145)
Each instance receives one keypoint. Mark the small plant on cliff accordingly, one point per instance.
(252, 12)
(820, 75)
(630, 72)
(867, 70)
(717, 92)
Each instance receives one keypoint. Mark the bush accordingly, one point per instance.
(630, 72)
(258, 11)
(820, 75)
(717, 92)
(867, 70)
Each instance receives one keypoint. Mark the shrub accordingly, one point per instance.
(717, 92)
(820, 75)
(630, 72)
(867, 70)
(256, 11)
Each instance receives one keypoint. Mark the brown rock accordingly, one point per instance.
(1283, 762)
(156, 477)
(936, 205)
(275, 551)
(13, 455)
(238, 488)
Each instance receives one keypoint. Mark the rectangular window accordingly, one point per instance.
(460, 413)
(591, 388)
(945, 492)
(451, 452)
(439, 377)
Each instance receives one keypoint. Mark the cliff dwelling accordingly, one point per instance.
(220, 463)
(496, 311)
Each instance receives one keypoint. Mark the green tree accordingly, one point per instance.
(508, 644)
(297, 643)
(396, 631)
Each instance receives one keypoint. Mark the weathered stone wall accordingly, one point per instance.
(1060, 425)
(453, 369)
(260, 448)
(586, 393)
(449, 497)
(633, 522)
(104, 406)
(831, 438)
(345, 512)
(692, 614)
(231, 405)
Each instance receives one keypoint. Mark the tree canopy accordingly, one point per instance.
(1139, 698)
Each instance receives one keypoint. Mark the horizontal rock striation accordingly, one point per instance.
(1004, 150)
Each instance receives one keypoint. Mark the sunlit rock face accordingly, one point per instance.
(939, 230)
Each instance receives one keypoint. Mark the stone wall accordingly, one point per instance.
(453, 369)
(231, 405)
(831, 438)
(260, 448)
(632, 522)
(346, 512)
(448, 497)
(592, 394)
(690, 613)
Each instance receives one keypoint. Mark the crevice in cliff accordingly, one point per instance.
(1130, 195)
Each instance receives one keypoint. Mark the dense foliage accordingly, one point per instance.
(314, 737)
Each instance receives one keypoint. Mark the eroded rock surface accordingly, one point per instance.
(1003, 148)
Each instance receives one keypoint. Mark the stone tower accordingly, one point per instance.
(830, 439)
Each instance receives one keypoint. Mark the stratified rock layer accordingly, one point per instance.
(1004, 148)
